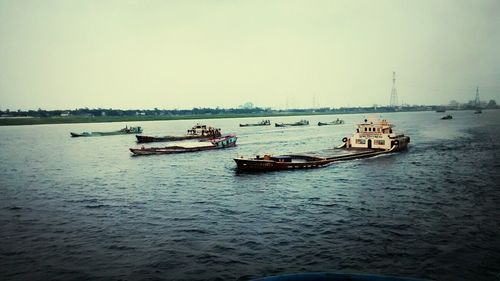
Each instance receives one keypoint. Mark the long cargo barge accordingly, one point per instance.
(372, 138)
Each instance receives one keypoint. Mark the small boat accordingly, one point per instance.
(201, 132)
(218, 143)
(123, 131)
(261, 123)
(281, 162)
(336, 122)
(478, 111)
(440, 110)
(447, 117)
(299, 123)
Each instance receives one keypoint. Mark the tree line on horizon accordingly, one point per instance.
(94, 112)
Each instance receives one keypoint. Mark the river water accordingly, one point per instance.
(83, 208)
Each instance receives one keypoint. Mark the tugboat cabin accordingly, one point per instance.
(375, 134)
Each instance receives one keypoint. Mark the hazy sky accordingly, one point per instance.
(182, 54)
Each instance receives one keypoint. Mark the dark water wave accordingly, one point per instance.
(79, 209)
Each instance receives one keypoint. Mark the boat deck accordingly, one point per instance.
(192, 144)
(339, 154)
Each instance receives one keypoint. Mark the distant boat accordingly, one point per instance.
(440, 110)
(299, 123)
(447, 117)
(219, 143)
(196, 132)
(124, 131)
(478, 111)
(336, 122)
(261, 123)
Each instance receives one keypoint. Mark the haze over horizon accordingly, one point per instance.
(297, 54)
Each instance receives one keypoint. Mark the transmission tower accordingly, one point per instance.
(476, 101)
(394, 93)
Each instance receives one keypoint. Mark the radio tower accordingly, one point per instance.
(476, 101)
(394, 93)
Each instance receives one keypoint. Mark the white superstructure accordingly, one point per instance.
(376, 134)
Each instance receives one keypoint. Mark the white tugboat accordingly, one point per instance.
(377, 135)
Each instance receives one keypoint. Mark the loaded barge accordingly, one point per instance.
(372, 138)
(218, 143)
(200, 132)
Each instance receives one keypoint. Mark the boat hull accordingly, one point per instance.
(262, 123)
(274, 164)
(291, 124)
(148, 139)
(172, 150)
(253, 125)
(330, 123)
(125, 131)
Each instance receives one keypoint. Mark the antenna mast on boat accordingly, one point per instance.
(394, 93)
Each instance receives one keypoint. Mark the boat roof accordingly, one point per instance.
(377, 122)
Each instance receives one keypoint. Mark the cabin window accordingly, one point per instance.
(379, 142)
(360, 141)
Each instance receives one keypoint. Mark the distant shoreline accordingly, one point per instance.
(20, 121)
(16, 121)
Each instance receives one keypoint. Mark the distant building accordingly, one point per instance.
(65, 114)
(247, 105)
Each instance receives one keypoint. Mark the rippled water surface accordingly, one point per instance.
(83, 208)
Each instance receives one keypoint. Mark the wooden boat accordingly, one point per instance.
(200, 132)
(299, 123)
(336, 122)
(261, 123)
(218, 143)
(447, 117)
(124, 131)
(281, 162)
(478, 111)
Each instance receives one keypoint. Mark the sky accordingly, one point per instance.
(282, 54)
